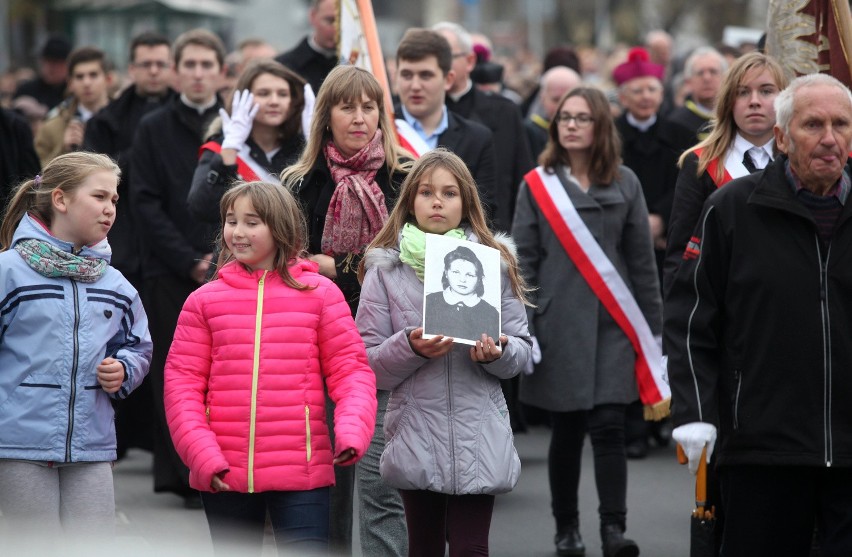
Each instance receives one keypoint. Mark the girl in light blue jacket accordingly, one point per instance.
(73, 335)
(449, 446)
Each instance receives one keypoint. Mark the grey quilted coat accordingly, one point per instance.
(447, 426)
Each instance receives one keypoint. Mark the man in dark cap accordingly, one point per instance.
(48, 88)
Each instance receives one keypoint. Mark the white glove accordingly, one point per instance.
(529, 368)
(237, 126)
(693, 437)
(308, 111)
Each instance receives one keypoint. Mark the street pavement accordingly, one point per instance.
(659, 501)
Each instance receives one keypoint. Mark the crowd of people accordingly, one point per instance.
(222, 262)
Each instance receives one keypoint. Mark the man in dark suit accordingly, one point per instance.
(316, 54)
(18, 159)
(704, 69)
(424, 75)
(497, 113)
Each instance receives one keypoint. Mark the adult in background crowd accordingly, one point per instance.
(497, 113)
(755, 330)
(48, 87)
(254, 139)
(703, 71)
(347, 180)
(110, 131)
(316, 54)
(89, 79)
(742, 141)
(554, 83)
(18, 159)
(424, 74)
(586, 375)
(178, 248)
(647, 150)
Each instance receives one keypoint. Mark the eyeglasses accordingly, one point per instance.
(151, 64)
(459, 55)
(580, 120)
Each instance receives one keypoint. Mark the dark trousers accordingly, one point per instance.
(433, 519)
(772, 510)
(164, 298)
(299, 521)
(605, 425)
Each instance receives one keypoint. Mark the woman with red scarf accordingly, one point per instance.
(347, 180)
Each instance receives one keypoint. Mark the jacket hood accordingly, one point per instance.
(236, 275)
(32, 228)
(386, 258)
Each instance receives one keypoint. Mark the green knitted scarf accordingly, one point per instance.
(412, 247)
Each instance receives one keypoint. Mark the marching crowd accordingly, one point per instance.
(222, 262)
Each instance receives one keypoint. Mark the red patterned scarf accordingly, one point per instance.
(357, 209)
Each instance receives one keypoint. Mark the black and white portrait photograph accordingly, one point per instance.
(462, 285)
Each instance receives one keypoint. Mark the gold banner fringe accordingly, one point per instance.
(658, 411)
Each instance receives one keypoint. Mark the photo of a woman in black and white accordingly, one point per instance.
(458, 310)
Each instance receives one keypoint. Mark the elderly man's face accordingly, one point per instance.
(819, 137)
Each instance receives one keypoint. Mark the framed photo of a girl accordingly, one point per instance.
(463, 281)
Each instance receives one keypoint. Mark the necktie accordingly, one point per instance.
(748, 162)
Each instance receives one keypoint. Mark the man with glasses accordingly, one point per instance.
(111, 132)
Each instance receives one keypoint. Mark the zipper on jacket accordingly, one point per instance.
(826, 350)
(255, 372)
(73, 387)
(207, 412)
(739, 378)
(307, 433)
(450, 427)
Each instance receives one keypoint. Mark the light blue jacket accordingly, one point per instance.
(53, 334)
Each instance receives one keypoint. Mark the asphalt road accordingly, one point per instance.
(659, 502)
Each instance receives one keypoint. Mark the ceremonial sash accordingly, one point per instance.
(604, 280)
(712, 167)
(410, 139)
(247, 168)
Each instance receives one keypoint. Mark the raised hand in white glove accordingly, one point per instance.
(308, 111)
(693, 437)
(236, 127)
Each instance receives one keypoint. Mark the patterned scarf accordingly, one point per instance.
(50, 261)
(412, 247)
(357, 209)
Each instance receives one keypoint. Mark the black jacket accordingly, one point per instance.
(18, 159)
(757, 327)
(111, 132)
(512, 154)
(314, 193)
(308, 63)
(687, 127)
(212, 177)
(165, 154)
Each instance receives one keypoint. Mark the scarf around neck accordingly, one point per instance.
(52, 262)
(412, 247)
(357, 209)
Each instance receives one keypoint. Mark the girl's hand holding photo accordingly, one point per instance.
(435, 347)
(111, 375)
(486, 350)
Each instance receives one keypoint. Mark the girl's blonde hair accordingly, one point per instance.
(724, 128)
(65, 173)
(345, 84)
(472, 213)
(280, 212)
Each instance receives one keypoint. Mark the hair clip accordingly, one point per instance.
(37, 180)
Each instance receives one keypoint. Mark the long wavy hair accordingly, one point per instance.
(472, 213)
(605, 151)
(345, 84)
(279, 211)
(65, 173)
(724, 128)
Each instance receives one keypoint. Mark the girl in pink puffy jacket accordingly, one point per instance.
(246, 374)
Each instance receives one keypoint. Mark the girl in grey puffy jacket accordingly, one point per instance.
(449, 446)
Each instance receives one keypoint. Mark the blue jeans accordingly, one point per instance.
(299, 521)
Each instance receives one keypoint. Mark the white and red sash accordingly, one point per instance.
(247, 168)
(608, 286)
(410, 139)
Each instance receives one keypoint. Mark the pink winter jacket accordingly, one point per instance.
(244, 381)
